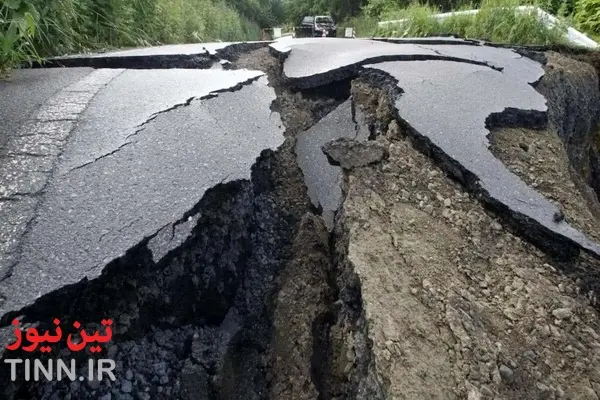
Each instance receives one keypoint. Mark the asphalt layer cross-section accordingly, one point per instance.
(457, 125)
(193, 55)
(99, 160)
(323, 180)
(143, 154)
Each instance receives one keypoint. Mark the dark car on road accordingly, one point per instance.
(316, 26)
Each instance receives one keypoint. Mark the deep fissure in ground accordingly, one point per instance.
(200, 322)
(215, 318)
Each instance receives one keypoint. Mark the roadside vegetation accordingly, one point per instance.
(497, 21)
(587, 17)
(18, 28)
(33, 29)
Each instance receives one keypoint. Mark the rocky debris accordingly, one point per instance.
(506, 373)
(539, 158)
(418, 291)
(563, 313)
(350, 153)
(157, 358)
(480, 313)
(470, 309)
(375, 104)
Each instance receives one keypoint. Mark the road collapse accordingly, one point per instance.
(392, 234)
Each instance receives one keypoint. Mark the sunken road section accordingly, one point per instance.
(256, 233)
(189, 56)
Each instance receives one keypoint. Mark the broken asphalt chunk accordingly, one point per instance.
(313, 62)
(349, 153)
(454, 127)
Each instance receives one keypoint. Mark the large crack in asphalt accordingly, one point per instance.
(253, 297)
(530, 217)
(220, 277)
(139, 128)
(119, 127)
(189, 56)
(198, 320)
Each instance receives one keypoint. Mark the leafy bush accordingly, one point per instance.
(587, 16)
(18, 27)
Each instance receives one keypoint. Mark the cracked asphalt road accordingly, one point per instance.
(103, 159)
(142, 154)
(323, 179)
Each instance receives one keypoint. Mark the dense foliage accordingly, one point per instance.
(587, 16)
(18, 26)
(496, 21)
(50, 27)
(75, 25)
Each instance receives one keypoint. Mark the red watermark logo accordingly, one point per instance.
(35, 339)
(51, 369)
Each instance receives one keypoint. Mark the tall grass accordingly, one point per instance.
(363, 25)
(69, 26)
(33, 28)
(496, 21)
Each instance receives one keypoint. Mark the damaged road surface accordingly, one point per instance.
(133, 179)
(115, 186)
(308, 219)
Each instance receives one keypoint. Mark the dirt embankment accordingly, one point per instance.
(419, 292)
(457, 305)
(427, 294)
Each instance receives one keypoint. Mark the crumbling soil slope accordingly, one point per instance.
(457, 305)
(418, 292)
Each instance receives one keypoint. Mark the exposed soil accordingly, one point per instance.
(419, 292)
(573, 95)
(295, 342)
(540, 160)
(299, 109)
(458, 307)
